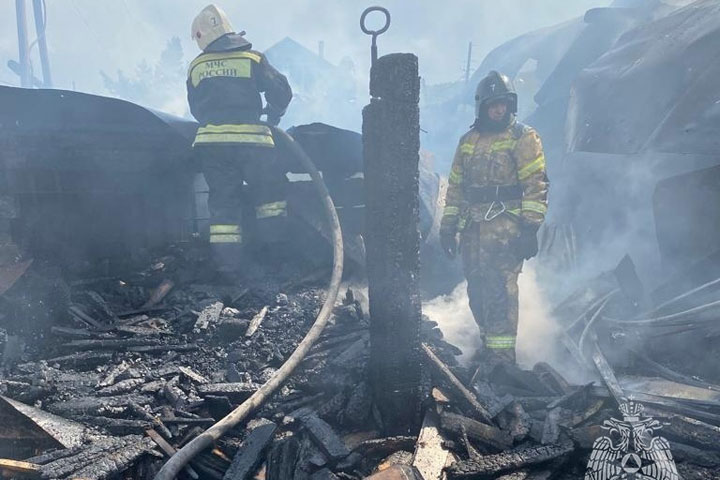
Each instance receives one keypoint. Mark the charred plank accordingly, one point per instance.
(186, 347)
(169, 451)
(117, 426)
(551, 378)
(693, 432)
(551, 427)
(282, 458)
(486, 434)
(107, 344)
(124, 386)
(65, 466)
(256, 321)
(385, 446)
(249, 456)
(81, 361)
(54, 455)
(430, 455)
(237, 392)
(456, 384)
(503, 462)
(322, 434)
(109, 466)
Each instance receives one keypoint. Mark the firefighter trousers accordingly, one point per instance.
(248, 194)
(491, 266)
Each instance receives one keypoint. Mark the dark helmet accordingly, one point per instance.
(495, 86)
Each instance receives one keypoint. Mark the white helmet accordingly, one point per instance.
(210, 24)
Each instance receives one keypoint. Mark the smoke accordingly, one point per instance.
(538, 332)
(453, 316)
(87, 36)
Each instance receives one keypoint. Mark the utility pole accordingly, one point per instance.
(467, 65)
(40, 17)
(23, 53)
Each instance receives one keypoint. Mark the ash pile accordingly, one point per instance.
(136, 366)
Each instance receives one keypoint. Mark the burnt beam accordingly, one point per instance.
(391, 142)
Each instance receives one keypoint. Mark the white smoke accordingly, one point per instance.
(538, 332)
(453, 315)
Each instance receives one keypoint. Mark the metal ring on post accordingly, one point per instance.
(374, 33)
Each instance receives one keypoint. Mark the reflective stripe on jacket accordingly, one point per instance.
(513, 156)
(258, 135)
(225, 83)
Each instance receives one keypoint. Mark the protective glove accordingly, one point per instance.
(449, 242)
(526, 245)
(273, 119)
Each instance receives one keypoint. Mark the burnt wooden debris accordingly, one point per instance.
(322, 434)
(134, 398)
(468, 396)
(249, 455)
(431, 456)
(484, 434)
(391, 143)
(512, 460)
(106, 370)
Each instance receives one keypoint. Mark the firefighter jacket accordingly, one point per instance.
(507, 168)
(224, 85)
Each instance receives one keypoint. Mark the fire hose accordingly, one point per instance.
(206, 439)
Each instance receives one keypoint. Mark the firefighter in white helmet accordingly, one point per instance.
(233, 146)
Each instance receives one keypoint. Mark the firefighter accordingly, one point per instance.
(232, 145)
(495, 203)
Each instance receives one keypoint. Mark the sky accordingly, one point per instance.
(87, 36)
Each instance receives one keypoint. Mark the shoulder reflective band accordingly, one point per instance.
(242, 133)
(227, 64)
(502, 145)
(225, 233)
(467, 148)
(535, 166)
(532, 206)
(451, 210)
(272, 209)
(502, 342)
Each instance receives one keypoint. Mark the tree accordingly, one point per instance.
(161, 87)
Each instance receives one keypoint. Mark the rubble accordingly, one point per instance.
(137, 396)
(431, 456)
(248, 456)
(507, 461)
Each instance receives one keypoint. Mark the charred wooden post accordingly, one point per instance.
(391, 141)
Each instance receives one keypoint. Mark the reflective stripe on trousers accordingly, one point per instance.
(271, 209)
(500, 342)
(225, 233)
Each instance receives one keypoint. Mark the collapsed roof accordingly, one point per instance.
(655, 90)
